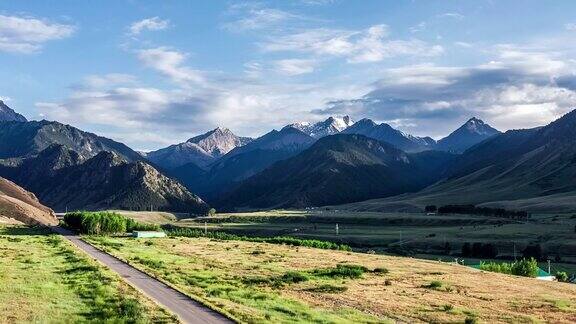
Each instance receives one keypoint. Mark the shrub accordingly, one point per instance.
(470, 320)
(328, 289)
(388, 282)
(447, 307)
(524, 267)
(351, 271)
(562, 276)
(381, 270)
(436, 284)
(293, 277)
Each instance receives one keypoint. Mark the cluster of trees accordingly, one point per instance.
(479, 250)
(525, 267)
(473, 210)
(104, 223)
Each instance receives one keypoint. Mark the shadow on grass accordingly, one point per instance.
(25, 230)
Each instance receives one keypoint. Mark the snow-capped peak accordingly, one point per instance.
(330, 126)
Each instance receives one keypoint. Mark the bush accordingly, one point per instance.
(104, 223)
(328, 289)
(293, 277)
(436, 284)
(381, 270)
(562, 276)
(351, 271)
(524, 267)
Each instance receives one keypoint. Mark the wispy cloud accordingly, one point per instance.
(148, 24)
(357, 46)
(293, 67)
(26, 35)
(251, 16)
(170, 63)
(570, 26)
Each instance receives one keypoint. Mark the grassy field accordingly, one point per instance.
(44, 279)
(389, 232)
(266, 283)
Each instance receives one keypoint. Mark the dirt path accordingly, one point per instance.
(187, 310)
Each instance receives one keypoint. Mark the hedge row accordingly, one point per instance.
(189, 232)
(104, 223)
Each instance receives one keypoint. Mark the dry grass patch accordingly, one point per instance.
(216, 272)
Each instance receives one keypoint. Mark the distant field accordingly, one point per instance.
(265, 283)
(44, 279)
(416, 232)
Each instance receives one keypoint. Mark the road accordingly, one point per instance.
(187, 309)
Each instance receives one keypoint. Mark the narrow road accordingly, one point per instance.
(187, 309)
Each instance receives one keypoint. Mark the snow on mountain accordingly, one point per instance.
(330, 126)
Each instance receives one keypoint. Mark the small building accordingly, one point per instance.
(148, 234)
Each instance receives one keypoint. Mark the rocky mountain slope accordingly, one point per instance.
(472, 132)
(245, 161)
(101, 182)
(385, 133)
(21, 205)
(336, 169)
(7, 114)
(25, 139)
(200, 150)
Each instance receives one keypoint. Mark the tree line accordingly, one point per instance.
(473, 210)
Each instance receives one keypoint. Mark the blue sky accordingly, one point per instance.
(152, 73)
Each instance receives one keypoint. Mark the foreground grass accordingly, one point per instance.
(262, 283)
(44, 279)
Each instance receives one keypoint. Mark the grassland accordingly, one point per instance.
(44, 279)
(262, 283)
(423, 235)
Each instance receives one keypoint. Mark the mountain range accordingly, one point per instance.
(365, 165)
(201, 150)
(336, 169)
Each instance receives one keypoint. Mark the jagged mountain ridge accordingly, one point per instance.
(102, 182)
(201, 150)
(336, 169)
(330, 126)
(8, 114)
(245, 161)
(385, 133)
(26, 139)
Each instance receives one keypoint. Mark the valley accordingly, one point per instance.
(262, 283)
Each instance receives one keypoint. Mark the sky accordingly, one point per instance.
(155, 73)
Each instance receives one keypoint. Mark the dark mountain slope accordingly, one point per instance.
(516, 165)
(472, 132)
(385, 133)
(244, 161)
(336, 169)
(25, 139)
(102, 182)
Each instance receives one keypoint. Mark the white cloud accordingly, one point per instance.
(369, 45)
(453, 15)
(293, 67)
(570, 26)
(152, 24)
(27, 34)
(107, 80)
(170, 63)
(253, 17)
(516, 90)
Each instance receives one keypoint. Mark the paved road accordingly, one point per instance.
(187, 310)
